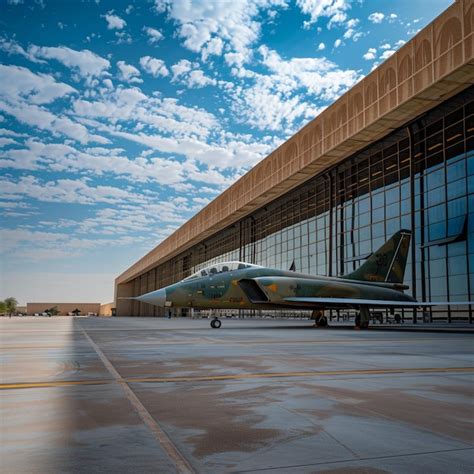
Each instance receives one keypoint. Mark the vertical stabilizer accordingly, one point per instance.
(388, 263)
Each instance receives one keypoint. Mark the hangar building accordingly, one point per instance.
(395, 151)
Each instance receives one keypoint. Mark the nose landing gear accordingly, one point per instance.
(216, 323)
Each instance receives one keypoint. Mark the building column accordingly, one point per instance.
(123, 306)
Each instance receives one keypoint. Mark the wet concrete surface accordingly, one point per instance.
(159, 395)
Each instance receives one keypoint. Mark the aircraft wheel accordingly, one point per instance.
(212, 323)
(217, 324)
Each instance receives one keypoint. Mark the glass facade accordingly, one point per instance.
(420, 177)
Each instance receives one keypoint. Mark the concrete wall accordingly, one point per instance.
(106, 309)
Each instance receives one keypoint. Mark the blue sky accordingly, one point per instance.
(121, 120)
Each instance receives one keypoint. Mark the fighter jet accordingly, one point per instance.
(378, 282)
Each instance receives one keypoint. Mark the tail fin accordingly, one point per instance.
(388, 263)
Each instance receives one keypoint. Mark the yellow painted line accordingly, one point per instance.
(205, 378)
(215, 340)
(297, 374)
(59, 383)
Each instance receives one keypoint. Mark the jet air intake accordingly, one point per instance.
(253, 291)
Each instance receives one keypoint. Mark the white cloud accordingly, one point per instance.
(201, 22)
(337, 43)
(351, 31)
(19, 83)
(155, 67)
(213, 47)
(392, 17)
(85, 62)
(129, 73)
(198, 79)
(64, 191)
(24, 94)
(95, 161)
(321, 47)
(114, 22)
(181, 67)
(132, 106)
(41, 118)
(123, 37)
(154, 36)
(385, 46)
(281, 99)
(11, 133)
(370, 54)
(13, 47)
(386, 54)
(7, 141)
(335, 10)
(376, 17)
(190, 75)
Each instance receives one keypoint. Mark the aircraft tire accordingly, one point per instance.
(217, 324)
(212, 323)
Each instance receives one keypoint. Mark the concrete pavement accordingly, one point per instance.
(159, 395)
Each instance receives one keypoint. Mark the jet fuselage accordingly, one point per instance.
(266, 288)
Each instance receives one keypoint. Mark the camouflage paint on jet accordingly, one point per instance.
(237, 285)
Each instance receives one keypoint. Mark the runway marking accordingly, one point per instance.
(208, 340)
(165, 442)
(58, 383)
(208, 378)
(296, 374)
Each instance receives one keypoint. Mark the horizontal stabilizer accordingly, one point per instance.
(383, 303)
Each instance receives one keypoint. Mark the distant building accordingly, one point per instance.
(65, 309)
(395, 151)
(107, 309)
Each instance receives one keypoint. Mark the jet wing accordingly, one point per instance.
(384, 303)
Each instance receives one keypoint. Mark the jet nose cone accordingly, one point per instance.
(156, 298)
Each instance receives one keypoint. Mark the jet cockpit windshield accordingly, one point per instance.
(221, 268)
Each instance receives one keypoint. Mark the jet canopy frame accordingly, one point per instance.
(222, 267)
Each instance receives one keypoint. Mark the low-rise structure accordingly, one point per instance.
(65, 309)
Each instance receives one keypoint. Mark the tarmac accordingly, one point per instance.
(150, 395)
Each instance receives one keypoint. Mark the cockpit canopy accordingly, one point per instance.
(221, 268)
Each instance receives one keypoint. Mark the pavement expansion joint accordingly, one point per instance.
(358, 459)
(180, 462)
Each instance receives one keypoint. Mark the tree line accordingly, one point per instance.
(8, 305)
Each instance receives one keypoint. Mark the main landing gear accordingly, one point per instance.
(362, 318)
(216, 323)
(320, 320)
